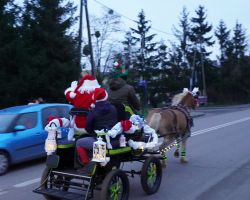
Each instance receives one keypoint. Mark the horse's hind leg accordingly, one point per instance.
(177, 151)
(183, 151)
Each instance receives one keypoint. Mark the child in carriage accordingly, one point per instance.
(102, 117)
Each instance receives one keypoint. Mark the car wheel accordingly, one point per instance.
(4, 162)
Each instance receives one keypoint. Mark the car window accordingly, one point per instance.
(46, 112)
(64, 111)
(57, 111)
(29, 120)
(6, 122)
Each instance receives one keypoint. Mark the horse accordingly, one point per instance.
(173, 123)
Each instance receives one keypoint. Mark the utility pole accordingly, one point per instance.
(142, 78)
(193, 69)
(204, 91)
(89, 39)
(80, 36)
(203, 74)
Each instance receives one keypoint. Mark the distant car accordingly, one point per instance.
(22, 133)
(202, 100)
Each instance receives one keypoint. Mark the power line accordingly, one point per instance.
(124, 16)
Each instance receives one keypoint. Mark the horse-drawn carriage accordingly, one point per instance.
(62, 180)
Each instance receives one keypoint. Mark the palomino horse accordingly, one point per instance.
(174, 122)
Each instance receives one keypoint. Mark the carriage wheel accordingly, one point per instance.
(151, 174)
(115, 186)
(59, 181)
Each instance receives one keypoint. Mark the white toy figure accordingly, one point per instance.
(54, 132)
(130, 126)
(50, 142)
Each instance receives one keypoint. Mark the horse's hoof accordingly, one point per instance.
(184, 160)
(176, 154)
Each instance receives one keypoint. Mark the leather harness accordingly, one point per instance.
(185, 111)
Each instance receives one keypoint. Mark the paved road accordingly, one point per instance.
(218, 168)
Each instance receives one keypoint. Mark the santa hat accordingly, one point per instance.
(87, 84)
(100, 94)
(52, 118)
(126, 125)
(134, 123)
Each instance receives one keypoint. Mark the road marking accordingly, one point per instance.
(219, 126)
(2, 192)
(26, 183)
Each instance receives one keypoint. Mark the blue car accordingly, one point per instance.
(22, 133)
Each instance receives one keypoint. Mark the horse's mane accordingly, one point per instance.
(178, 98)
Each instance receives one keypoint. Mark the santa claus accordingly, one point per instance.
(80, 96)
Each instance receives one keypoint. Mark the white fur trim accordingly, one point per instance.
(67, 90)
(92, 105)
(73, 85)
(71, 88)
(72, 95)
(89, 86)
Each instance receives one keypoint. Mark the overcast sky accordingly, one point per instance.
(163, 14)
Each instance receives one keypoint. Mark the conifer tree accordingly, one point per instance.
(222, 34)
(239, 41)
(183, 49)
(182, 33)
(145, 64)
(51, 49)
(199, 31)
(145, 58)
(234, 71)
(10, 53)
(129, 45)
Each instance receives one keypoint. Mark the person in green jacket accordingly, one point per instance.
(122, 94)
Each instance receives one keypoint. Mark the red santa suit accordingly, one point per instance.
(80, 95)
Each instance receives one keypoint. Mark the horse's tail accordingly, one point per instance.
(154, 121)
